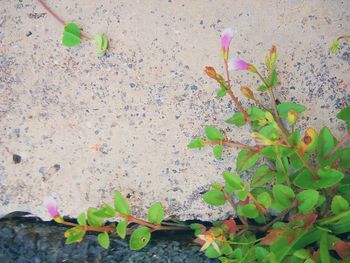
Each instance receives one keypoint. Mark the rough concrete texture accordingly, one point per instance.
(85, 127)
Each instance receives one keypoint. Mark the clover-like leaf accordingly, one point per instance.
(307, 200)
(283, 195)
(339, 204)
(248, 210)
(71, 35)
(140, 238)
(101, 42)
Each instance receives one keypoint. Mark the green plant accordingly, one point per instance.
(95, 220)
(72, 35)
(336, 43)
(295, 206)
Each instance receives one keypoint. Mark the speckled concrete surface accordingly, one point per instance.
(85, 127)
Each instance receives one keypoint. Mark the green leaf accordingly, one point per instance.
(261, 254)
(74, 234)
(198, 228)
(213, 134)
(217, 149)
(71, 35)
(344, 114)
(220, 93)
(101, 42)
(274, 79)
(236, 119)
(103, 240)
(274, 151)
(140, 238)
(246, 158)
(344, 161)
(265, 199)
(121, 228)
(335, 46)
(93, 219)
(339, 204)
(106, 211)
(233, 180)
(120, 204)
(324, 253)
(248, 210)
(242, 194)
(325, 145)
(197, 143)
(82, 219)
(326, 178)
(262, 176)
(156, 214)
(307, 200)
(262, 88)
(210, 252)
(284, 107)
(214, 197)
(283, 195)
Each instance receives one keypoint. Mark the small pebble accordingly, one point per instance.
(16, 158)
(29, 33)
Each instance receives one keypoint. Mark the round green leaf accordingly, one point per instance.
(325, 144)
(155, 214)
(121, 228)
(103, 240)
(339, 204)
(265, 199)
(242, 193)
(307, 200)
(93, 219)
(214, 197)
(71, 35)
(248, 210)
(283, 195)
(120, 204)
(140, 238)
(344, 114)
(233, 180)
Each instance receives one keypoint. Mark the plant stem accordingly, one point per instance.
(233, 144)
(258, 206)
(340, 144)
(332, 219)
(229, 199)
(91, 228)
(232, 95)
(277, 218)
(59, 19)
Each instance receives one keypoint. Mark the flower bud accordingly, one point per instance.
(309, 142)
(210, 71)
(273, 56)
(292, 117)
(247, 92)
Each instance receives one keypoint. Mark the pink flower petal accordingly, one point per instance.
(237, 64)
(51, 206)
(226, 38)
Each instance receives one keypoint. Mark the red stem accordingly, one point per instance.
(233, 144)
(59, 19)
(341, 143)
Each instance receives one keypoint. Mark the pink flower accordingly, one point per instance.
(226, 38)
(239, 64)
(51, 206)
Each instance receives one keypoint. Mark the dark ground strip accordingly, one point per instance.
(29, 240)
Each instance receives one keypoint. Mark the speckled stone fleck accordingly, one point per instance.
(122, 122)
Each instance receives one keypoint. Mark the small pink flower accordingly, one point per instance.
(51, 206)
(226, 38)
(237, 64)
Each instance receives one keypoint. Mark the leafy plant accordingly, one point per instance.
(95, 220)
(295, 207)
(72, 35)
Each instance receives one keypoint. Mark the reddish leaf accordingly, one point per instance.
(272, 237)
(342, 248)
(231, 225)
